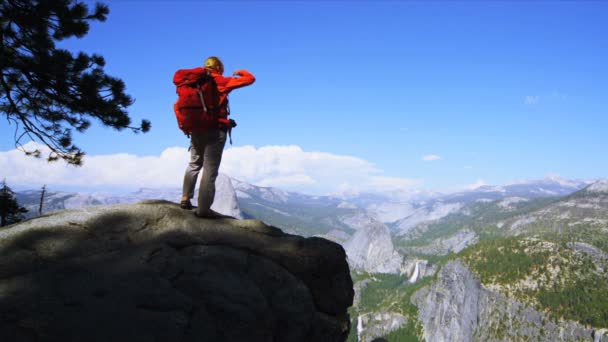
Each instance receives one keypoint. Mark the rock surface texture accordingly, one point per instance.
(458, 308)
(153, 272)
(372, 325)
(371, 249)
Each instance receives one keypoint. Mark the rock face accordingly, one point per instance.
(388, 212)
(600, 186)
(153, 272)
(225, 201)
(458, 308)
(597, 255)
(452, 244)
(371, 249)
(459, 241)
(448, 309)
(425, 214)
(377, 324)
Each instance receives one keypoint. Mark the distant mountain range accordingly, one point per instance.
(526, 261)
(225, 199)
(395, 224)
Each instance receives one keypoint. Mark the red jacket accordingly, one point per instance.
(226, 84)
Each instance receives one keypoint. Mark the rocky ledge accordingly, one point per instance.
(153, 272)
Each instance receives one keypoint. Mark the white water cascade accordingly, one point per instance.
(598, 335)
(414, 276)
(359, 328)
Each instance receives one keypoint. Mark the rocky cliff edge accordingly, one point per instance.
(153, 272)
(458, 308)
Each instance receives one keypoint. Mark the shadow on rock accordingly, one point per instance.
(151, 271)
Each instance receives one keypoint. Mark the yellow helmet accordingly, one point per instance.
(215, 64)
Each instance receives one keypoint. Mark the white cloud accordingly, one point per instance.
(431, 157)
(468, 167)
(287, 167)
(478, 184)
(531, 99)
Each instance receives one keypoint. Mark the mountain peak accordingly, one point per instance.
(600, 186)
(562, 181)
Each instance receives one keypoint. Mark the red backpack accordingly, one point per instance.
(197, 107)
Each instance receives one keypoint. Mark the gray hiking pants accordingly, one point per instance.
(205, 152)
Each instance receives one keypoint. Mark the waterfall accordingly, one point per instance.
(598, 335)
(414, 276)
(359, 328)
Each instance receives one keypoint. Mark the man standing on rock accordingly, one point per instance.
(207, 146)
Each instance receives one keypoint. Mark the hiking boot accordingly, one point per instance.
(186, 205)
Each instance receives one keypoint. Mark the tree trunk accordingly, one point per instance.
(41, 200)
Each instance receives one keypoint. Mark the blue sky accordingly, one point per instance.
(496, 91)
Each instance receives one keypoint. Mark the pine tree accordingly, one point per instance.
(10, 211)
(46, 92)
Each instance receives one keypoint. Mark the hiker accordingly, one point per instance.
(207, 145)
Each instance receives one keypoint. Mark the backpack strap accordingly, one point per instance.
(200, 95)
(228, 124)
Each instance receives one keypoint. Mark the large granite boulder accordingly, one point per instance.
(371, 248)
(153, 272)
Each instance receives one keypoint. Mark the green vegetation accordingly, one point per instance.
(391, 293)
(352, 335)
(565, 284)
(540, 268)
(482, 219)
(358, 276)
(10, 210)
(584, 300)
(503, 261)
(582, 232)
(47, 92)
(404, 334)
